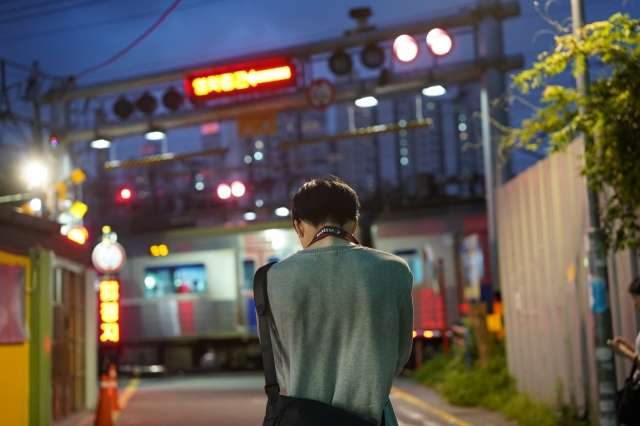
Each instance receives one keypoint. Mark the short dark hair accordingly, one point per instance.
(634, 287)
(325, 200)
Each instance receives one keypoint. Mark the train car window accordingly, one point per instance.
(248, 271)
(162, 281)
(415, 262)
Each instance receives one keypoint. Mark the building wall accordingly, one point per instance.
(14, 363)
(542, 227)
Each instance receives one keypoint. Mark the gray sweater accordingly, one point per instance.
(343, 326)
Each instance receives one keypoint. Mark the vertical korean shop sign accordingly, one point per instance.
(109, 258)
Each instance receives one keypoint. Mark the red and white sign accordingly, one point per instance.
(108, 257)
(321, 94)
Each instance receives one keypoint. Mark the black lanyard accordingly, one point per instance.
(333, 231)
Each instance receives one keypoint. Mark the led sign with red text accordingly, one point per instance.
(239, 79)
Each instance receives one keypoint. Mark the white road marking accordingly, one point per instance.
(412, 414)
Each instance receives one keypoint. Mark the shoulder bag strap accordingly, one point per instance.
(272, 388)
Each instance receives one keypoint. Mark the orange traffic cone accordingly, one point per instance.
(113, 387)
(103, 413)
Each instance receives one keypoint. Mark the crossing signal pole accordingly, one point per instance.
(598, 268)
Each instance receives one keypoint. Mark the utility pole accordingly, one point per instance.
(490, 48)
(598, 270)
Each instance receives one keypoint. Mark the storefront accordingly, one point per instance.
(48, 345)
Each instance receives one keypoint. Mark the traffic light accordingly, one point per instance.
(124, 195)
(439, 42)
(237, 189)
(224, 191)
(405, 48)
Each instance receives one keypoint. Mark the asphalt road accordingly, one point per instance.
(238, 400)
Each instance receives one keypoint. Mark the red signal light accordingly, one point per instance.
(439, 41)
(237, 189)
(224, 191)
(405, 48)
(125, 193)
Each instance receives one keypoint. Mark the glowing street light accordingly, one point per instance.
(155, 135)
(250, 216)
(35, 204)
(405, 48)
(282, 212)
(366, 102)
(36, 174)
(100, 143)
(439, 42)
(434, 91)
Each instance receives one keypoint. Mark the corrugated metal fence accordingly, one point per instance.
(542, 225)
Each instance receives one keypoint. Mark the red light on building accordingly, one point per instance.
(109, 311)
(241, 78)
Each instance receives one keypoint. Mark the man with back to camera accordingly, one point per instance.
(342, 313)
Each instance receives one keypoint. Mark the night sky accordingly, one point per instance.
(68, 36)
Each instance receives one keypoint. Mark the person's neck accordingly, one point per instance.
(329, 241)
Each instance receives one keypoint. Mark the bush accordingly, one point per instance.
(491, 387)
(432, 372)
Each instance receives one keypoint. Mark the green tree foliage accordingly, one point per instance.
(611, 118)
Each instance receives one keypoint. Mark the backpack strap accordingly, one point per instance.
(272, 388)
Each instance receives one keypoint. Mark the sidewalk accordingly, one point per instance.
(415, 404)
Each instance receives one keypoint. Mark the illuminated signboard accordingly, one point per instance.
(109, 311)
(239, 79)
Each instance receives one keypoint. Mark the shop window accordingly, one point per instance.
(170, 280)
(13, 328)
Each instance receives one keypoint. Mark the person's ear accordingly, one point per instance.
(354, 227)
(297, 224)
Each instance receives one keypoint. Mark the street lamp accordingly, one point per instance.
(282, 211)
(155, 135)
(100, 143)
(366, 102)
(36, 174)
(434, 91)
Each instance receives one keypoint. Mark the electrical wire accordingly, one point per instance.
(31, 6)
(107, 22)
(133, 44)
(52, 11)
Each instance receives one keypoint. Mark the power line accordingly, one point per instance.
(102, 23)
(52, 11)
(31, 6)
(137, 41)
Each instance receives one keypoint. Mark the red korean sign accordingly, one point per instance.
(251, 77)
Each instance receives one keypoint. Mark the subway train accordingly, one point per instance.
(189, 306)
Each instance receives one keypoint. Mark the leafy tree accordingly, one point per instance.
(611, 118)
